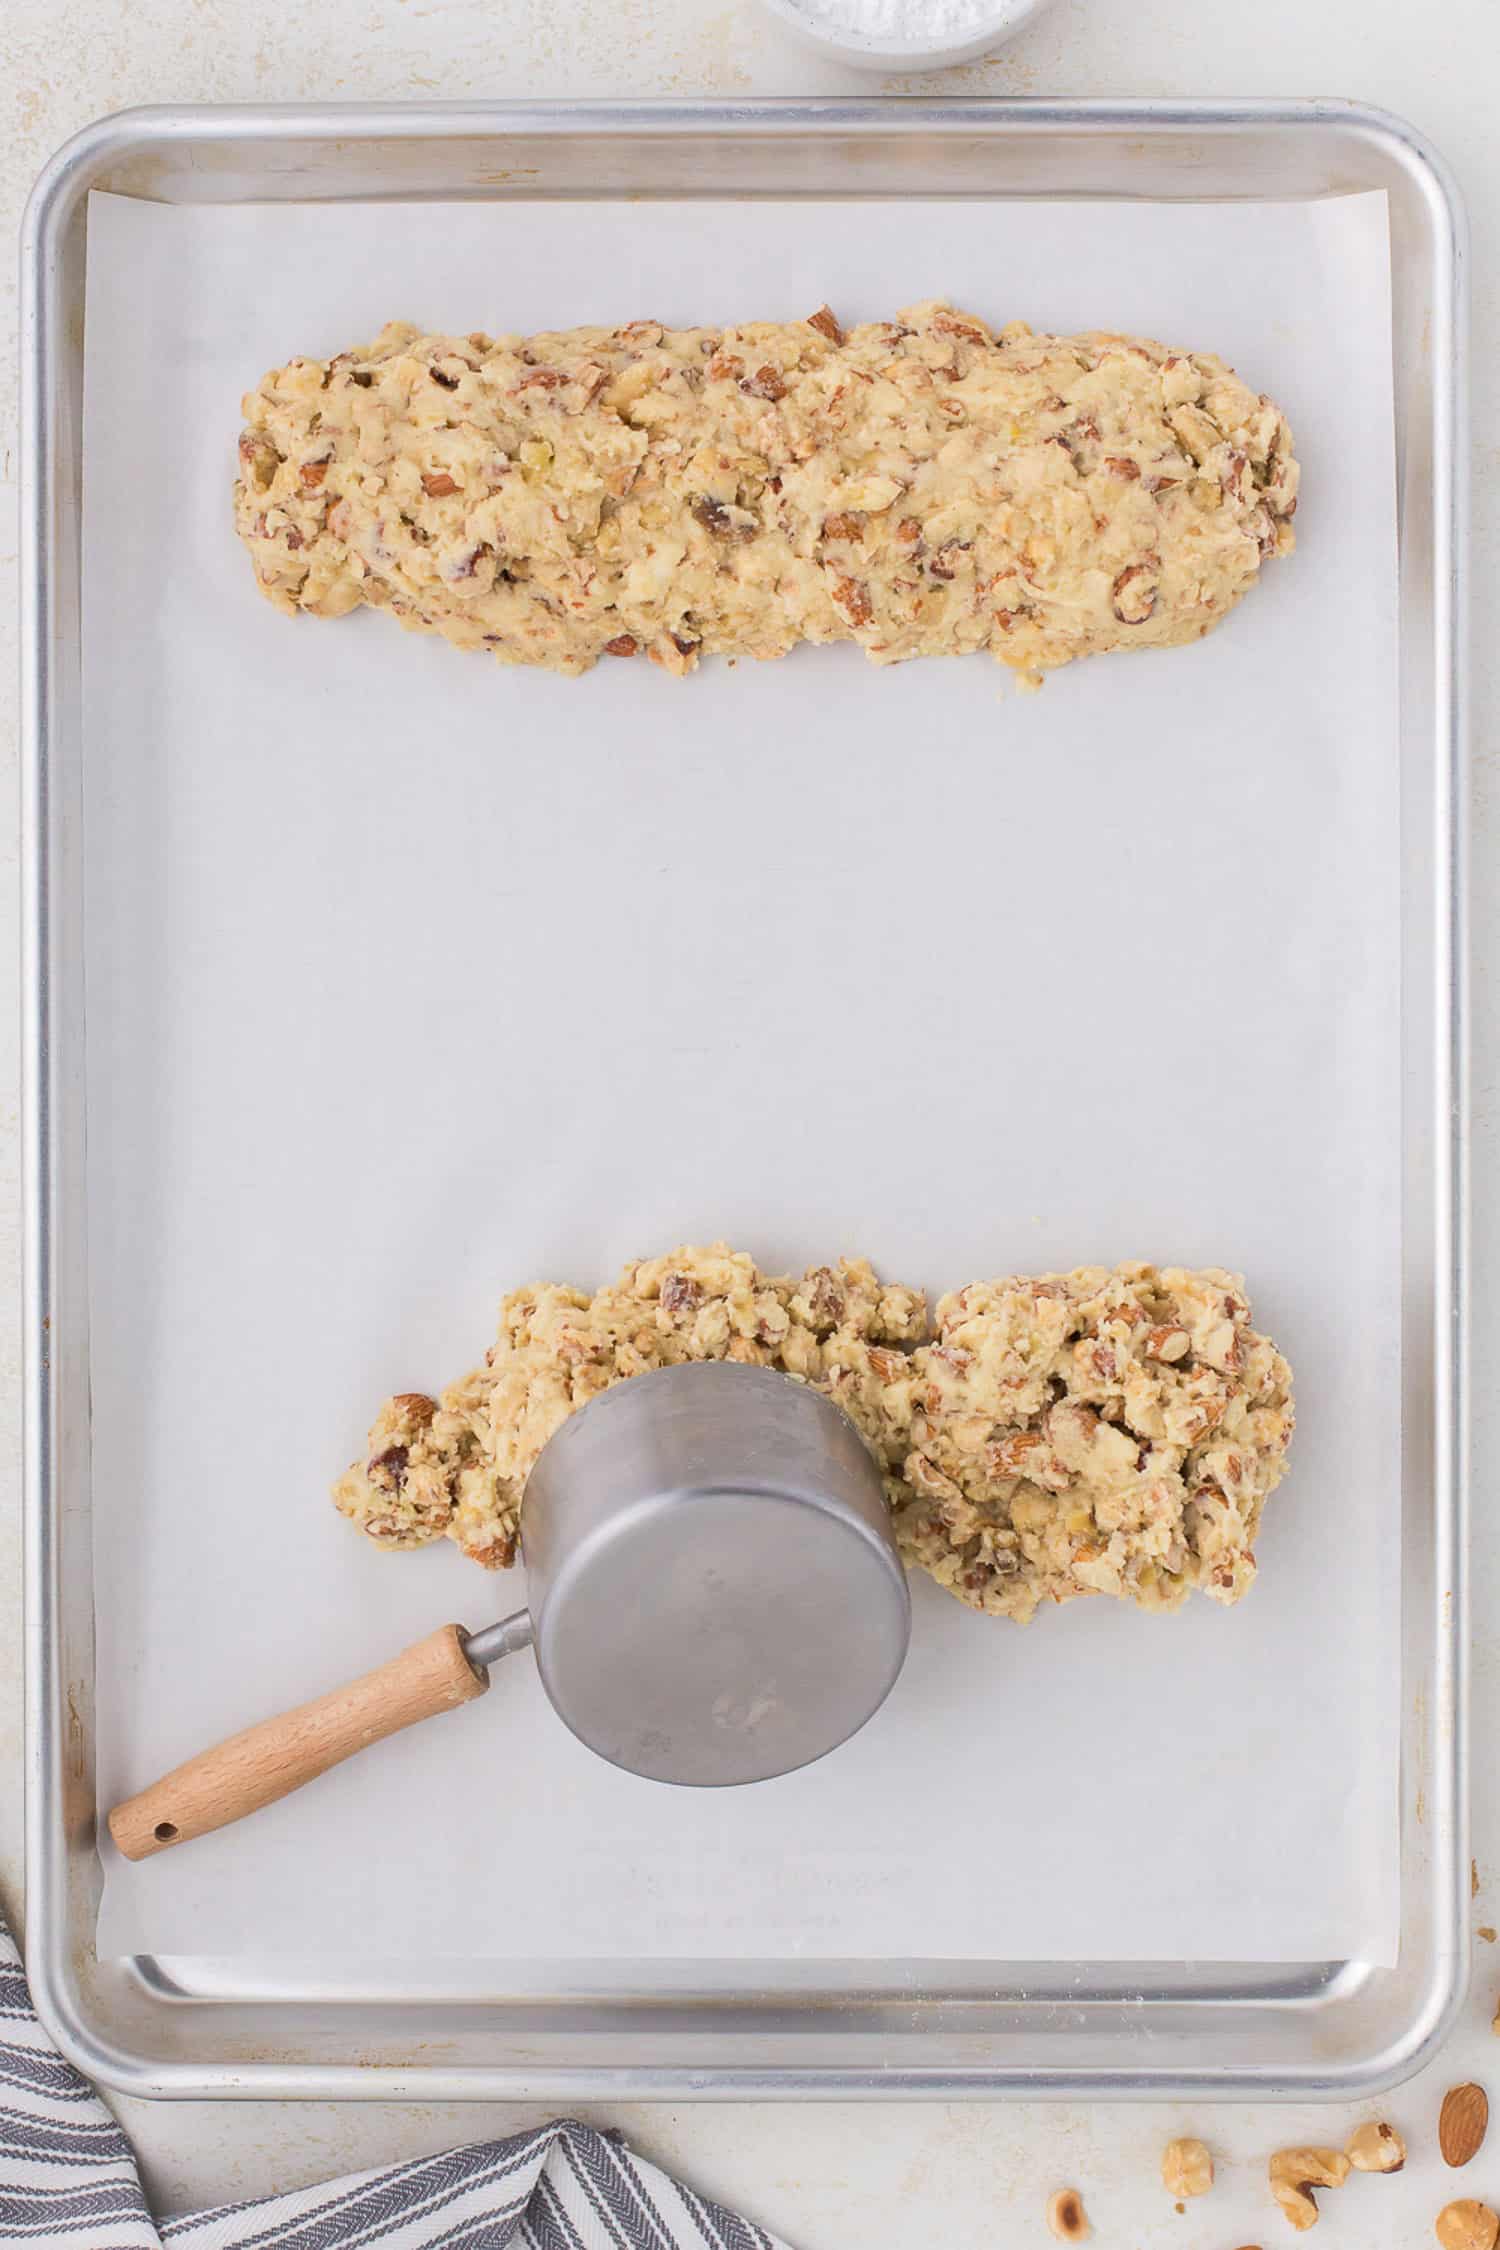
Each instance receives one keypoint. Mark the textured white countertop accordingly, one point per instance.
(827, 2177)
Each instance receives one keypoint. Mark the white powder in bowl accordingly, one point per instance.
(894, 35)
(920, 21)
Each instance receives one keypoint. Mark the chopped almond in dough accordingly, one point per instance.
(919, 486)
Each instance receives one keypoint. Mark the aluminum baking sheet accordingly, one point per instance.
(235, 1088)
(409, 978)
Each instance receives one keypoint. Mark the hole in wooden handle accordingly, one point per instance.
(165, 1831)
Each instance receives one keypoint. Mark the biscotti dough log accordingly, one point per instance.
(920, 486)
(1093, 1432)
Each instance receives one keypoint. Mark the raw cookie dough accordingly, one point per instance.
(920, 486)
(457, 1466)
(1096, 1432)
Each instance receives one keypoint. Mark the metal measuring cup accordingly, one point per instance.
(715, 1597)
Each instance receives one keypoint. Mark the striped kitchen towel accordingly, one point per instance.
(67, 2177)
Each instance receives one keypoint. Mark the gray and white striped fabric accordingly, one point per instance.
(67, 2177)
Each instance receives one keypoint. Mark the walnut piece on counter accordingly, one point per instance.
(1103, 1431)
(1295, 2172)
(920, 486)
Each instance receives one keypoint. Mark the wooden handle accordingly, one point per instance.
(269, 1761)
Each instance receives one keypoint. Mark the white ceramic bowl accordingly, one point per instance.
(888, 53)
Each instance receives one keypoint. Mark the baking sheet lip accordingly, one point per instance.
(180, 1980)
(1451, 644)
(125, 2073)
(57, 1984)
(259, 2080)
(1447, 1778)
(44, 1846)
(72, 168)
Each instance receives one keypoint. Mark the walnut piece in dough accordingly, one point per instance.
(1095, 1432)
(920, 486)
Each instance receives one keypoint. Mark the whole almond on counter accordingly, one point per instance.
(1467, 2226)
(1462, 2122)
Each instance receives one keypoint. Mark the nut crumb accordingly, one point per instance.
(1134, 594)
(766, 383)
(853, 598)
(1187, 2168)
(1066, 2216)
